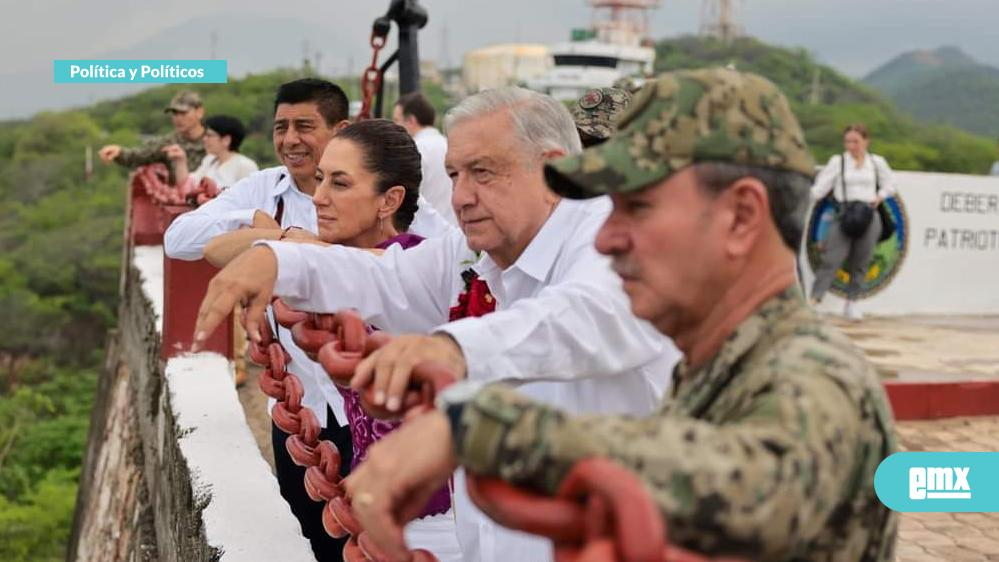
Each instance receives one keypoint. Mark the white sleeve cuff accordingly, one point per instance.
(484, 360)
(290, 268)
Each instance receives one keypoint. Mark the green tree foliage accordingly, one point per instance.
(36, 527)
(836, 101)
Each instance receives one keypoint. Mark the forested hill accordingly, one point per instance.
(837, 100)
(944, 85)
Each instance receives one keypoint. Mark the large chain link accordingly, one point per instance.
(338, 342)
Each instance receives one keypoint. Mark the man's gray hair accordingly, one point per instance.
(540, 122)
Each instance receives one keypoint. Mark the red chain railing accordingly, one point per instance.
(152, 205)
(153, 178)
(372, 78)
(601, 513)
(338, 342)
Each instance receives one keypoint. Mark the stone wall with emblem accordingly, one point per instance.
(943, 257)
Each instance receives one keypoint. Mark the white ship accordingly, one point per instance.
(615, 46)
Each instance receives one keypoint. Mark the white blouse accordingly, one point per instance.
(225, 174)
(860, 182)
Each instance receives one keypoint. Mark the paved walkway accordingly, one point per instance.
(929, 348)
(257, 416)
(949, 536)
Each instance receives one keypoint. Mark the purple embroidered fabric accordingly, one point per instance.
(365, 430)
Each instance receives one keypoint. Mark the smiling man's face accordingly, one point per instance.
(300, 136)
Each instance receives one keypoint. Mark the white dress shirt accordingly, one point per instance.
(562, 331)
(436, 185)
(187, 236)
(860, 182)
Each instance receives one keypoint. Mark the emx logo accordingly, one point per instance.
(939, 483)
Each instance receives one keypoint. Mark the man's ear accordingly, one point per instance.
(552, 154)
(393, 199)
(341, 126)
(748, 205)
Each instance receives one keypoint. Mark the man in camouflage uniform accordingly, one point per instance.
(596, 114)
(186, 111)
(768, 446)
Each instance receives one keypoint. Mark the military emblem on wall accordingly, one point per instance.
(889, 254)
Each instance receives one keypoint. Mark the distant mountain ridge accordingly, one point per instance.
(943, 85)
(825, 101)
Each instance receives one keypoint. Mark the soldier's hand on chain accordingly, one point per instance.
(389, 368)
(247, 280)
(109, 153)
(401, 472)
(174, 152)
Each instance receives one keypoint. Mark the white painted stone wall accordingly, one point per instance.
(246, 518)
(952, 261)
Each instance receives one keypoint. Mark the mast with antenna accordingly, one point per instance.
(719, 20)
(623, 22)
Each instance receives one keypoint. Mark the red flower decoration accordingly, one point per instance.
(475, 300)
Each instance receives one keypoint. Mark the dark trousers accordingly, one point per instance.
(853, 254)
(291, 480)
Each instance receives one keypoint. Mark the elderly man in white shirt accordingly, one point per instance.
(562, 330)
(414, 112)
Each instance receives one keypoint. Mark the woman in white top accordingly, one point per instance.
(854, 176)
(223, 164)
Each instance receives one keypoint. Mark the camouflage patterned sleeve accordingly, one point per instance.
(147, 153)
(760, 484)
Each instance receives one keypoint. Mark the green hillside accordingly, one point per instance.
(907, 143)
(942, 86)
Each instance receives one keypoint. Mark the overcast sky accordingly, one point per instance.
(853, 35)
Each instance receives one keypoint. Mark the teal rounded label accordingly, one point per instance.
(939, 482)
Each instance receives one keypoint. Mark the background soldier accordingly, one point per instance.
(768, 447)
(186, 112)
(596, 114)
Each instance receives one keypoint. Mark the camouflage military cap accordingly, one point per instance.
(680, 118)
(596, 112)
(629, 84)
(183, 101)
